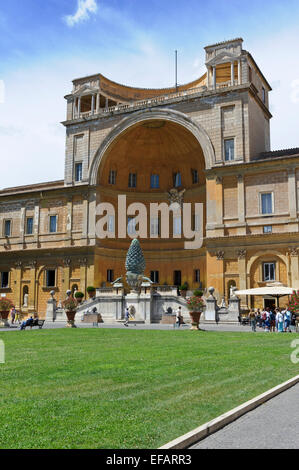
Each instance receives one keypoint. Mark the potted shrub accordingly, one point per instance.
(293, 304)
(70, 307)
(91, 291)
(5, 306)
(198, 293)
(183, 290)
(79, 296)
(195, 305)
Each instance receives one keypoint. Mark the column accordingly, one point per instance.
(85, 216)
(232, 73)
(66, 273)
(79, 106)
(242, 275)
(208, 77)
(32, 304)
(239, 73)
(92, 104)
(36, 222)
(106, 103)
(18, 277)
(98, 103)
(292, 190)
(241, 199)
(69, 221)
(74, 108)
(22, 224)
(83, 275)
(214, 77)
(295, 268)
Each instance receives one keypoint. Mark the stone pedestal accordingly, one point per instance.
(211, 309)
(51, 310)
(141, 304)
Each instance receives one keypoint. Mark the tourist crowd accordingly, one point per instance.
(272, 319)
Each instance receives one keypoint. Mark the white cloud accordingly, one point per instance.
(84, 9)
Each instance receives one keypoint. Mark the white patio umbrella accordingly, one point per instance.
(275, 290)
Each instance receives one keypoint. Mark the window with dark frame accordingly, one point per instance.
(177, 278)
(78, 172)
(50, 278)
(4, 279)
(177, 179)
(7, 228)
(269, 271)
(53, 223)
(197, 275)
(110, 275)
(112, 177)
(132, 180)
(195, 177)
(29, 226)
(266, 203)
(155, 277)
(229, 150)
(155, 181)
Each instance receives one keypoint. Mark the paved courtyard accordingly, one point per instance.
(141, 326)
(273, 425)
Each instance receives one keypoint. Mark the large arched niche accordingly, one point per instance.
(151, 135)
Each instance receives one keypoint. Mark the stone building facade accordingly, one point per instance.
(210, 138)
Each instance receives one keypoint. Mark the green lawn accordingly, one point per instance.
(101, 388)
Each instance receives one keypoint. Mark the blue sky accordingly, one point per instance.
(46, 43)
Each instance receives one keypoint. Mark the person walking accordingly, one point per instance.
(280, 321)
(178, 317)
(272, 321)
(13, 314)
(127, 317)
(252, 319)
(287, 320)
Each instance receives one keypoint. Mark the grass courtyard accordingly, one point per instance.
(113, 388)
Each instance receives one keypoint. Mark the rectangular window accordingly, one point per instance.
(50, 278)
(264, 95)
(155, 183)
(110, 275)
(4, 280)
(177, 278)
(131, 226)
(197, 275)
(267, 203)
(29, 226)
(155, 226)
(268, 229)
(7, 228)
(112, 177)
(177, 225)
(229, 150)
(78, 172)
(155, 277)
(195, 178)
(269, 271)
(177, 180)
(132, 180)
(53, 223)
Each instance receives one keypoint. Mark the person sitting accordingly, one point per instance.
(28, 322)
